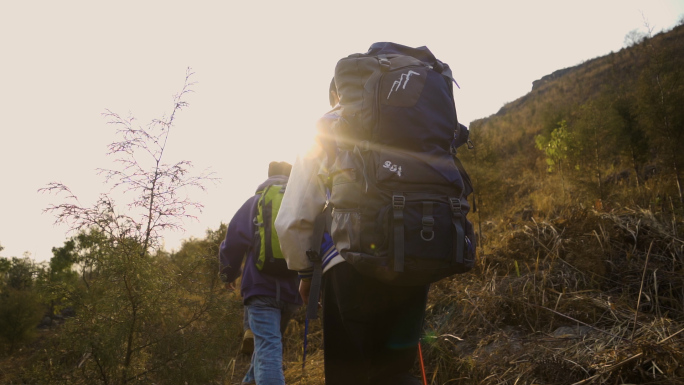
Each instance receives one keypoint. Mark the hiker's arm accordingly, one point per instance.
(237, 242)
(304, 289)
(329, 251)
(303, 201)
(230, 286)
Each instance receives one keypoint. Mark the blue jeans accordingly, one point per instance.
(268, 319)
(245, 321)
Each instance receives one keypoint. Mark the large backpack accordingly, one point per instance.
(267, 256)
(398, 192)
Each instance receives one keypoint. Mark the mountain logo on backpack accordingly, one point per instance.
(397, 83)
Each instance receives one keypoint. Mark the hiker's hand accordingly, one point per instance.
(304, 289)
(230, 286)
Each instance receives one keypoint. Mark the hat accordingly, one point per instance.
(279, 168)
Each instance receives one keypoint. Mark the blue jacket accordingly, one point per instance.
(238, 243)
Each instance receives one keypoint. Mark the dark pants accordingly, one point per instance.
(370, 330)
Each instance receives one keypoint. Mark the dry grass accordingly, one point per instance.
(589, 297)
(565, 301)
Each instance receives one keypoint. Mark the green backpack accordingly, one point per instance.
(268, 257)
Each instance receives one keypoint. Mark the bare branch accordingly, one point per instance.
(159, 191)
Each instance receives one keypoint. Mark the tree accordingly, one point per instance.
(481, 163)
(591, 133)
(661, 95)
(5, 265)
(20, 312)
(634, 37)
(631, 137)
(20, 305)
(137, 314)
(60, 279)
(158, 188)
(18, 273)
(557, 146)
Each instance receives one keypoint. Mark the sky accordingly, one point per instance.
(262, 70)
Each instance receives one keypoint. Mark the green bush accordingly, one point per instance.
(20, 313)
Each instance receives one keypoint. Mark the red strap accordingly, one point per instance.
(422, 366)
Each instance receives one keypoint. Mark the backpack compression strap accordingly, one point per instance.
(314, 253)
(458, 220)
(398, 203)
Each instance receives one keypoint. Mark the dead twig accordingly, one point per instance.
(664, 340)
(578, 321)
(609, 369)
(641, 288)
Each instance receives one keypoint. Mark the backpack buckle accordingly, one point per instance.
(455, 205)
(427, 233)
(398, 202)
(427, 236)
(384, 63)
(313, 255)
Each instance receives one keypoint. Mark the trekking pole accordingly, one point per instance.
(306, 331)
(314, 255)
(422, 366)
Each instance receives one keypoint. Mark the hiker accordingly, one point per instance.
(386, 247)
(269, 290)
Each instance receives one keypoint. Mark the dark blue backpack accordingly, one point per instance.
(398, 192)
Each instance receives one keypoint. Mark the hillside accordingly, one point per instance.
(579, 279)
(623, 122)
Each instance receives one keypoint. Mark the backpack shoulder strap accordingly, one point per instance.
(321, 224)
